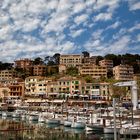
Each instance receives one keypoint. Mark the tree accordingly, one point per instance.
(56, 58)
(88, 79)
(38, 61)
(73, 71)
(85, 54)
(116, 60)
(5, 93)
(98, 59)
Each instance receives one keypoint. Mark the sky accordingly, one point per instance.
(38, 28)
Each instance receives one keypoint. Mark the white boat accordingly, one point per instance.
(78, 125)
(6, 114)
(67, 123)
(17, 113)
(95, 127)
(110, 130)
(52, 121)
(130, 130)
(33, 117)
(41, 118)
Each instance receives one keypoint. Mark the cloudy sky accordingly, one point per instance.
(32, 28)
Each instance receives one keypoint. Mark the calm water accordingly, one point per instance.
(18, 130)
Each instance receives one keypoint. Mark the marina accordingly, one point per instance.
(78, 121)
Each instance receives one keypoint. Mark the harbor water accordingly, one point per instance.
(21, 130)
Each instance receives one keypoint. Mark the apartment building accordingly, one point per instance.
(123, 72)
(70, 85)
(90, 60)
(71, 60)
(52, 88)
(35, 85)
(39, 70)
(17, 89)
(106, 63)
(96, 90)
(23, 63)
(93, 70)
(7, 74)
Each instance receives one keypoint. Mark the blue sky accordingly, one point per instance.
(37, 28)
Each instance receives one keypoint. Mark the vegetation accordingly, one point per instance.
(73, 71)
(4, 66)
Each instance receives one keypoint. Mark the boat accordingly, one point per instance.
(95, 127)
(33, 117)
(130, 130)
(67, 123)
(41, 118)
(78, 125)
(52, 121)
(6, 114)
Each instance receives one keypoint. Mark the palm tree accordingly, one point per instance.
(5, 93)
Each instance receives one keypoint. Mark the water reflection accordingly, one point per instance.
(18, 130)
(24, 130)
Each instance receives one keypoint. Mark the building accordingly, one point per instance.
(70, 85)
(71, 60)
(94, 71)
(106, 63)
(35, 85)
(23, 63)
(123, 72)
(7, 74)
(62, 69)
(90, 60)
(17, 89)
(96, 91)
(39, 70)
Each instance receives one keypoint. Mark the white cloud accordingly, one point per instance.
(136, 27)
(120, 45)
(103, 17)
(97, 34)
(134, 5)
(76, 33)
(114, 25)
(80, 19)
(80, 6)
(111, 4)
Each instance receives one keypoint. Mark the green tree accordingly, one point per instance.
(88, 79)
(56, 58)
(38, 61)
(73, 71)
(5, 93)
(85, 54)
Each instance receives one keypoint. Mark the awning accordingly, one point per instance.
(53, 93)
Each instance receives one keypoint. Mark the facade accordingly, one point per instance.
(35, 85)
(39, 70)
(93, 70)
(90, 60)
(17, 89)
(7, 75)
(72, 60)
(106, 63)
(123, 72)
(70, 85)
(23, 63)
(99, 91)
(62, 69)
